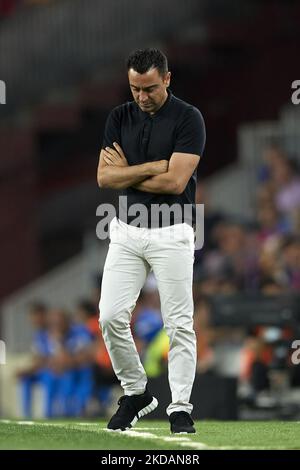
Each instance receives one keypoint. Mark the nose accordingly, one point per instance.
(143, 97)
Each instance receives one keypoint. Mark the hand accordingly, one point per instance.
(160, 167)
(115, 156)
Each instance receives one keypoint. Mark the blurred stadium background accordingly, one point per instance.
(63, 65)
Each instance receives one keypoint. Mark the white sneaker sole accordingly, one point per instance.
(182, 432)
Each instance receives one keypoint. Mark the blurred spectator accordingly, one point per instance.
(265, 361)
(280, 184)
(87, 314)
(60, 364)
(291, 261)
(270, 266)
(265, 195)
(69, 384)
(272, 156)
(287, 182)
(270, 222)
(147, 324)
(103, 375)
(255, 360)
(235, 258)
(35, 373)
(156, 355)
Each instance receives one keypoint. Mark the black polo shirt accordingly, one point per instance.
(176, 127)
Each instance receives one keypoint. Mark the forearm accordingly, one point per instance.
(121, 177)
(160, 184)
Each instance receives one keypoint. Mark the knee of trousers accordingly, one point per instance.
(111, 318)
(105, 321)
(181, 334)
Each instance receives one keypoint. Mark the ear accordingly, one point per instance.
(167, 78)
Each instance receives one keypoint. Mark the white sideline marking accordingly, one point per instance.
(138, 429)
(181, 441)
(27, 423)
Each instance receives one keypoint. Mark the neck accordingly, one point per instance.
(162, 103)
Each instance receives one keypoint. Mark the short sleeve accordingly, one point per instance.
(112, 129)
(191, 135)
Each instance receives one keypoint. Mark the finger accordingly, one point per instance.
(113, 156)
(106, 154)
(119, 149)
(108, 161)
(113, 152)
(110, 150)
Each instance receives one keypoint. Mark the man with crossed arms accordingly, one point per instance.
(151, 150)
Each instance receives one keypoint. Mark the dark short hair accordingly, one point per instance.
(143, 60)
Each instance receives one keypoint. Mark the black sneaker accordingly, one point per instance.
(131, 409)
(181, 422)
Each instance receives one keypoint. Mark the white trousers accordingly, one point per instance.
(133, 252)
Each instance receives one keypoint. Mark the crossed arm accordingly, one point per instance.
(161, 177)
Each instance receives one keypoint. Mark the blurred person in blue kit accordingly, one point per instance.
(35, 372)
(61, 364)
(70, 381)
(151, 149)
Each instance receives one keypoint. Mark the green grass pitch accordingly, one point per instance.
(149, 435)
